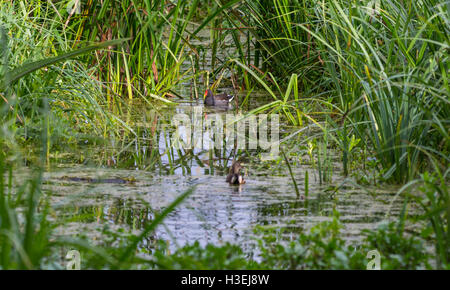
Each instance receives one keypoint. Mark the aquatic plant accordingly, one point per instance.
(385, 64)
(430, 191)
(29, 77)
(161, 42)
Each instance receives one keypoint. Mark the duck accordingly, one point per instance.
(235, 176)
(220, 100)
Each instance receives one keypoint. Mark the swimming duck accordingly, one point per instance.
(217, 100)
(235, 176)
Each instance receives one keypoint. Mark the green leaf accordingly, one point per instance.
(17, 73)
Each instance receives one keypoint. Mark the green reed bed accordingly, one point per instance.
(384, 63)
(389, 79)
(29, 78)
(161, 42)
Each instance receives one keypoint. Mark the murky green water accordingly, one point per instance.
(216, 212)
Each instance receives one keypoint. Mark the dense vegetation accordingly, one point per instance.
(372, 77)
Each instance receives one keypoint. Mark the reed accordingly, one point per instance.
(388, 78)
(385, 63)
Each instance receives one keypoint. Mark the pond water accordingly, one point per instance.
(135, 179)
(133, 184)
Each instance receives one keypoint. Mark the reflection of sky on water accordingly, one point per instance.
(197, 130)
(201, 139)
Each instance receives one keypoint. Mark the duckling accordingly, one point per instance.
(235, 176)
